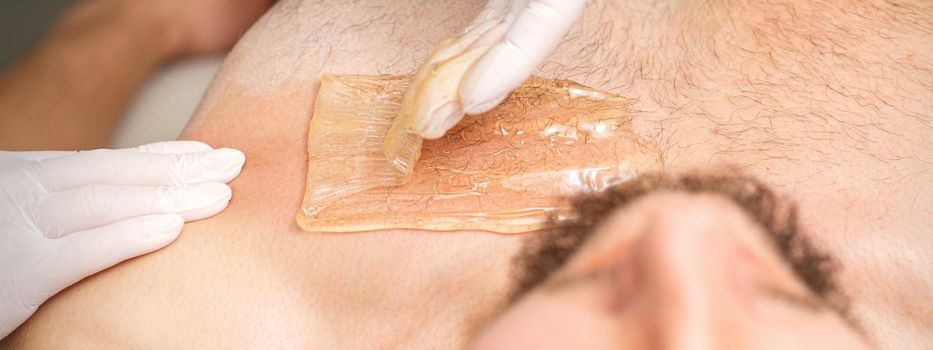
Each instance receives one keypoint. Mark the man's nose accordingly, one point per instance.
(693, 277)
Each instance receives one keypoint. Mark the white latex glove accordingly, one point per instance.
(515, 37)
(67, 215)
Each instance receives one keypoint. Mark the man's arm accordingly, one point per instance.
(69, 92)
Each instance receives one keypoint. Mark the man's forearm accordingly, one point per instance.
(69, 92)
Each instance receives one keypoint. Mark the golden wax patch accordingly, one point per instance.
(507, 171)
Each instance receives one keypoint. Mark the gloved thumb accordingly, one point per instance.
(78, 255)
(87, 252)
(533, 35)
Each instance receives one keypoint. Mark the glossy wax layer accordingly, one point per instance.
(508, 171)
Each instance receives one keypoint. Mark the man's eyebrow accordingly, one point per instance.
(544, 254)
(550, 284)
(805, 302)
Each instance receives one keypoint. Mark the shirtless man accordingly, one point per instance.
(828, 104)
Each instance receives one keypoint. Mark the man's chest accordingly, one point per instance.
(828, 109)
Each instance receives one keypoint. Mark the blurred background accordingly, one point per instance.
(23, 22)
(161, 108)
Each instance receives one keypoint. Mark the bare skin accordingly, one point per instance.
(820, 103)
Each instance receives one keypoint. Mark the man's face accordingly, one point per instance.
(698, 262)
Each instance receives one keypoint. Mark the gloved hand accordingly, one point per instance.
(67, 215)
(513, 37)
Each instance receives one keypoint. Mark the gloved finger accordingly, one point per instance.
(120, 167)
(84, 253)
(536, 31)
(494, 10)
(172, 147)
(6, 156)
(62, 213)
(440, 100)
(167, 147)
